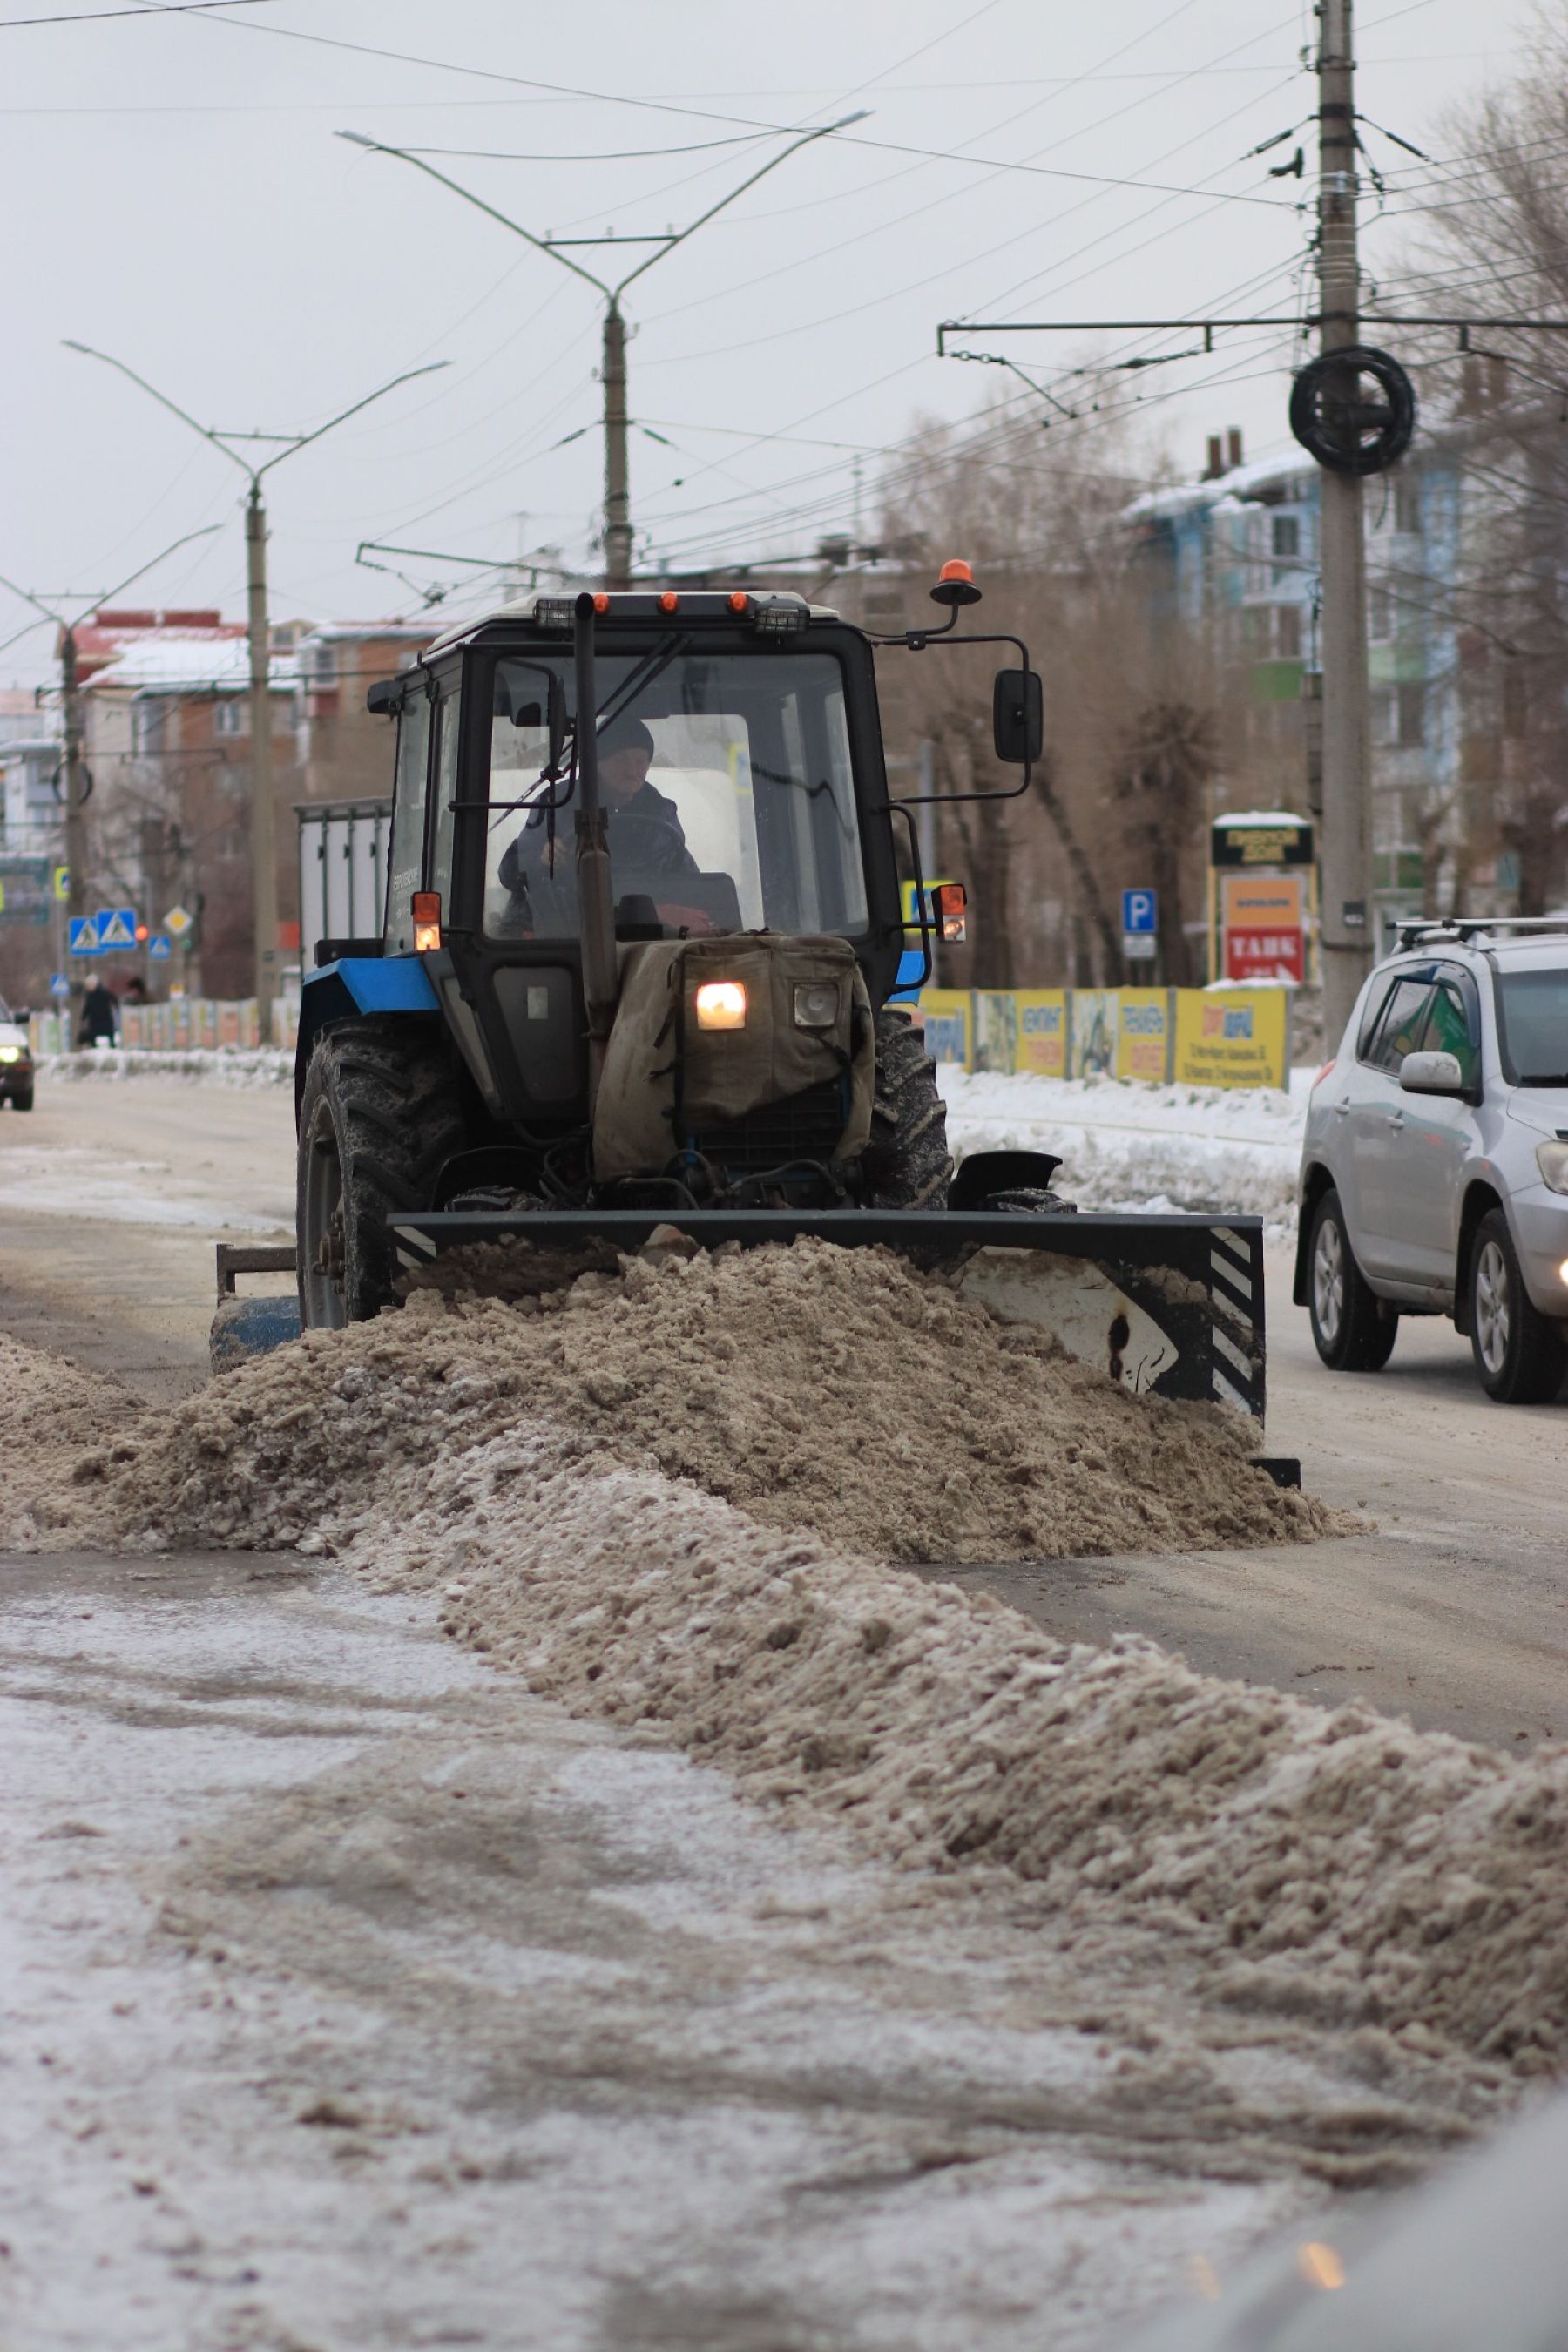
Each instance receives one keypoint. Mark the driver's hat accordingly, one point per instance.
(624, 734)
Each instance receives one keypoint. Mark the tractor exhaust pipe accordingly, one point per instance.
(595, 894)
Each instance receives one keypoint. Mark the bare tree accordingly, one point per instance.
(1043, 518)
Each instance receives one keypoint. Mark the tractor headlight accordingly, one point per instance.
(720, 1005)
(817, 1004)
(10, 1053)
(1552, 1159)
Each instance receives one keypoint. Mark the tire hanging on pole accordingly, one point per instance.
(1357, 435)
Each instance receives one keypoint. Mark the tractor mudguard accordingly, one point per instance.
(355, 984)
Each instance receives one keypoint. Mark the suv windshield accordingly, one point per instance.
(726, 781)
(1532, 1027)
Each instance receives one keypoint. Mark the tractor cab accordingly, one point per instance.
(740, 796)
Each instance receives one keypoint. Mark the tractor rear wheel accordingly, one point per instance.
(380, 1114)
(906, 1163)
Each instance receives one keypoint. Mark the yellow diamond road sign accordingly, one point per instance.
(177, 921)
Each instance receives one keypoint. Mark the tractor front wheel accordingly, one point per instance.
(379, 1116)
(906, 1163)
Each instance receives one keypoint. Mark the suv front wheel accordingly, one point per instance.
(1353, 1329)
(1520, 1356)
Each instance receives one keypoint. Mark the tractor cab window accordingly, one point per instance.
(727, 783)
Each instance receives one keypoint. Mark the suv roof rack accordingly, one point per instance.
(1420, 930)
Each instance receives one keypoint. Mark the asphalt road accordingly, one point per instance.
(1452, 1607)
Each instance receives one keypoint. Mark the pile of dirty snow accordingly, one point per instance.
(837, 1391)
(1124, 1143)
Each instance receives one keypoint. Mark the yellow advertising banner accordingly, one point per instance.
(1262, 902)
(1042, 1045)
(949, 1024)
(1232, 1037)
(1143, 1033)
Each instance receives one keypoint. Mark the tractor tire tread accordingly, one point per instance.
(906, 1163)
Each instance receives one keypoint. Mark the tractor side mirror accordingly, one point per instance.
(381, 697)
(1018, 716)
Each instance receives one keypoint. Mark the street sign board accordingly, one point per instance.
(58, 984)
(178, 921)
(117, 928)
(158, 948)
(1140, 911)
(82, 935)
(62, 881)
(1139, 947)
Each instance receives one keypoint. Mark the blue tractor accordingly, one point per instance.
(645, 961)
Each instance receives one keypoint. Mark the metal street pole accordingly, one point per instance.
(263, 815)
(1347, 937)
(617, 482)
(617, 513)
(75, 806)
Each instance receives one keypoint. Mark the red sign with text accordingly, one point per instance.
(1276, 954)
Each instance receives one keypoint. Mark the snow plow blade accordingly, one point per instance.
(1173, 1305)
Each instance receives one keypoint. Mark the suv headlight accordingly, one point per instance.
(1552, 1159)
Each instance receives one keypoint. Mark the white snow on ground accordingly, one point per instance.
(265, 1065)
(1125, 1144)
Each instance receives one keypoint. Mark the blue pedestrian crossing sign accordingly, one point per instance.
(58, 984)
(82, 935)
(1140, 910)
(117, 928)
(158, 948)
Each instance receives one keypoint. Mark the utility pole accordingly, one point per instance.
(76, 804)
(617, 512)
(617, 474)
(1347, 939)
(263, 816)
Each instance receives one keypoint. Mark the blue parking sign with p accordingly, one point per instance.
(1139, 911)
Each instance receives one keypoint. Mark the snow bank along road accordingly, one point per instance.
(359, 1994)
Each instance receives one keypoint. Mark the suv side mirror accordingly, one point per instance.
(1017, 716)
(1432, 1074)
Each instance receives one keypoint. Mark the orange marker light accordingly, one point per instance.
(600, 602)
(720, 1005)
(955, 568)
(427, 911)
(668, 600)
(739, 600)
(949, 901)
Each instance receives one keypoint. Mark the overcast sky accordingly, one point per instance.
(175, 196)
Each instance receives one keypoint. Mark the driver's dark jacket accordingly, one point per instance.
(527, 854)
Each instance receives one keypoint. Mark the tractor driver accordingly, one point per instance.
(645, 830)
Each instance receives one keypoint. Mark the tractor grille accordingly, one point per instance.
(804, 1126)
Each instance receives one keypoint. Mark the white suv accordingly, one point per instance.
(1434, 1167)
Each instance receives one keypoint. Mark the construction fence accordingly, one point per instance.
(1182, 1036)
(183, 1024)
